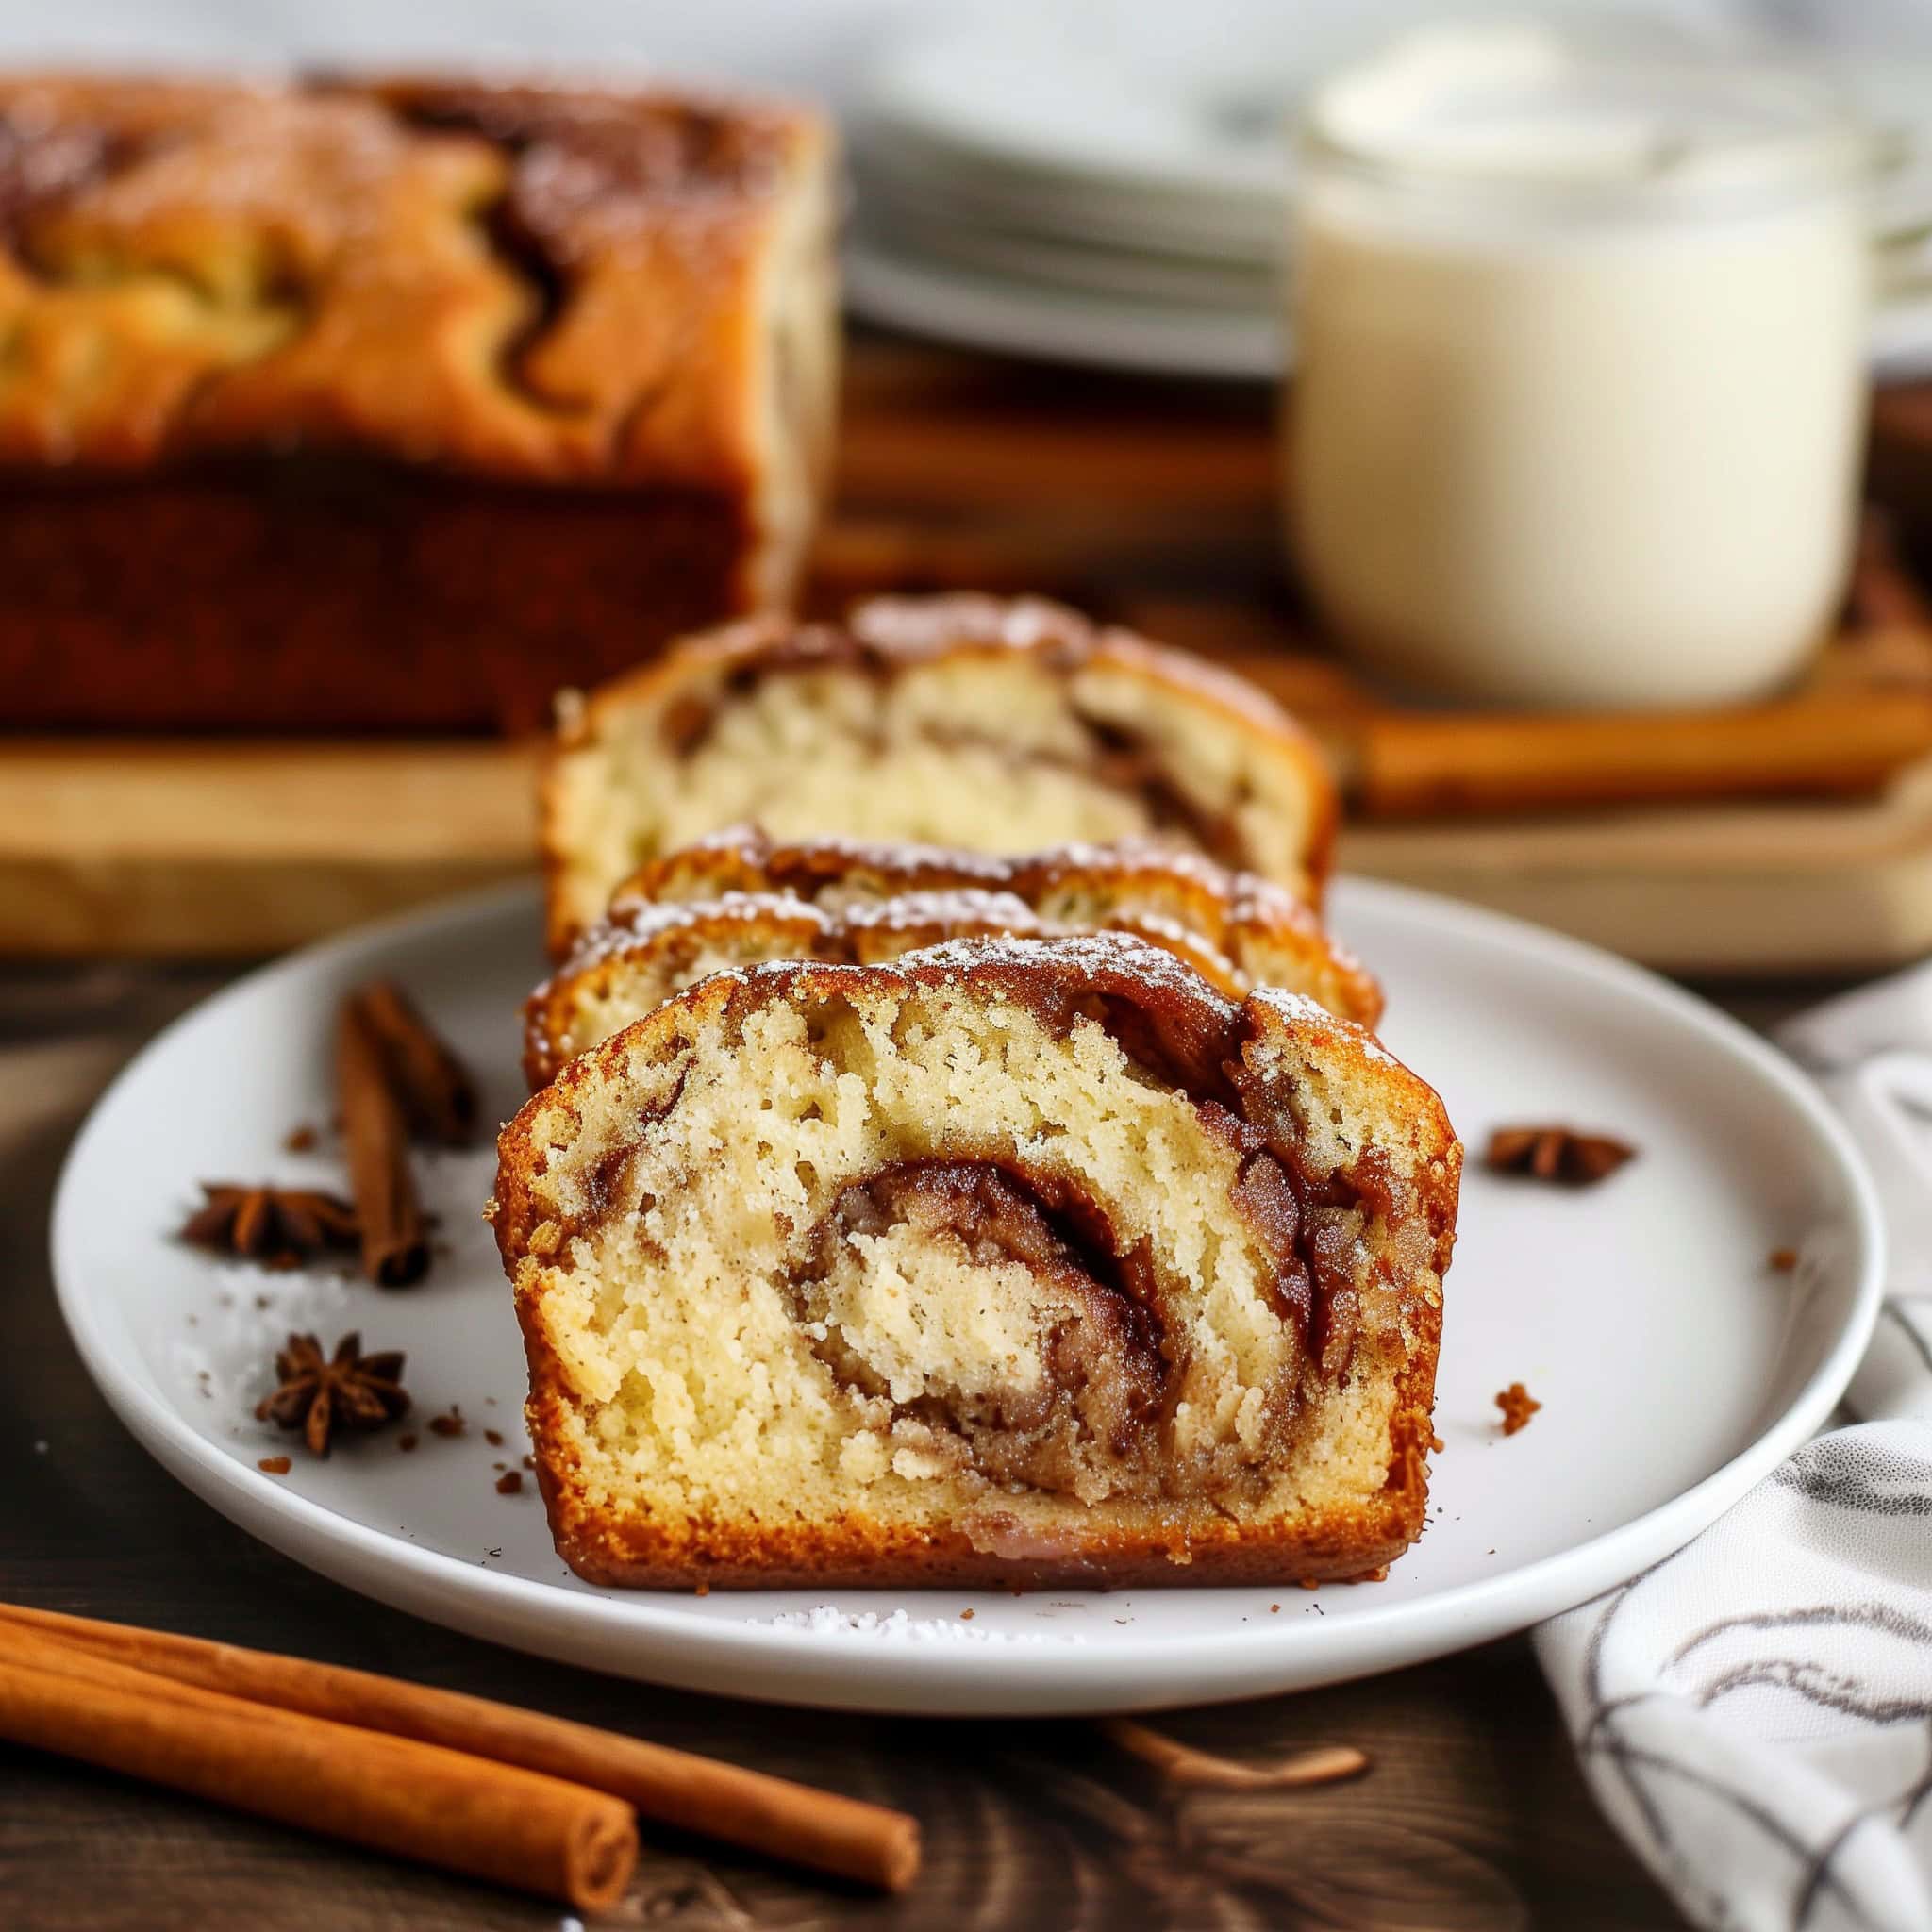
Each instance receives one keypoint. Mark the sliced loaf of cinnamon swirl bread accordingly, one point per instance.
(1012, 1260)
(962, 721)
(737, 899)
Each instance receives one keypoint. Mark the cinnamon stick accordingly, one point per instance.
(1417, 765)
(467, 1814)
(438, 1095)
(389, 1215)
(752, 1809)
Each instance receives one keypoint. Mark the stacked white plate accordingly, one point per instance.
(1108, 184)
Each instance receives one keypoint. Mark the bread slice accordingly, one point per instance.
(962, 721)
(1010, 1261)
(737, 898)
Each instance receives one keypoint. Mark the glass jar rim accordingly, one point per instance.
(1828, 145)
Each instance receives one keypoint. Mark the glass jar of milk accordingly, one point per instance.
(1579, 391)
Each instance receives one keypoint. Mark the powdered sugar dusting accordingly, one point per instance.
(1122, 954)
(1298, 1011)
(635, 924)
(928, 627)
(226, 1358)
(898, 1627)
(957, 906)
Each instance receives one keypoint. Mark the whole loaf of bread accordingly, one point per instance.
(339, 404)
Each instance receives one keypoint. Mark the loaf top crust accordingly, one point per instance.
(528, 283)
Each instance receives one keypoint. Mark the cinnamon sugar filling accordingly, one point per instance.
(1082, 1398)
(1073, 1398)
(1116, 760)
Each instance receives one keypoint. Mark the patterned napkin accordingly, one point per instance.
(1754, 1713)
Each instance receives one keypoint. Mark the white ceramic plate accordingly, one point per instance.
(1163, 116)
(1056, 319)
(1675, 1366)
(977, 310)
(1171, 127)
(1106, 186)
(902, 219)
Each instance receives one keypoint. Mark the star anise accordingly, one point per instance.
(1557, 1154)
(280, 1228)
(317, 1395)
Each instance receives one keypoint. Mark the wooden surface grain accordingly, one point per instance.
(1474, 1815)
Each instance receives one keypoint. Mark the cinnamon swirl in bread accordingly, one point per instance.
(1008, 1261)
(962, 721)
(737, 898)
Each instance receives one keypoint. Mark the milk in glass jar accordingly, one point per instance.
(1579, 394)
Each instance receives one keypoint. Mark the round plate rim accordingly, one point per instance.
(629, 1634)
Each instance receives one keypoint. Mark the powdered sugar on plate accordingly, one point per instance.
(900, 1628)
(226, 1358)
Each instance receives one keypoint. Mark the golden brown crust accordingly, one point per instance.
(860, 1552)
(739, 897)
(524, 283)
(1212, 899)
(1213, 1049)
(885, 635)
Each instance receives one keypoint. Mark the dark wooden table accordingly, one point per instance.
(1474, 1815)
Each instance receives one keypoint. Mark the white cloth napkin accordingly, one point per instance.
(1754, 1713)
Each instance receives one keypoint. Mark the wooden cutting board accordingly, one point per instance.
(1781, 838)
(197, 850)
